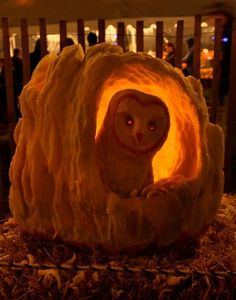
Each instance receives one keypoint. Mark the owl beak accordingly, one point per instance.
(139, 137)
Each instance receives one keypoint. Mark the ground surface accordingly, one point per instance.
(201, 269)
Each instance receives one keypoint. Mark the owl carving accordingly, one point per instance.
(135, 127)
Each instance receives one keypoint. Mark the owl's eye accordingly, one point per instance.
(152, 126)
(129, 121)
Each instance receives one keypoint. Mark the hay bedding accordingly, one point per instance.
(214, 251)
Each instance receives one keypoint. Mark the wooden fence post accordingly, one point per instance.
(159, 39)
(101, 30)
(216, 70)
(43, 37)
(197, 46)
(230, 140)
(25, 50)
(179, 43)
(80, 33)
(139, 36)
(121, 34)
(9, 82)
(63, 33)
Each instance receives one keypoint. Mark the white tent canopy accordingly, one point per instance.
(71, 10)
(113, 11)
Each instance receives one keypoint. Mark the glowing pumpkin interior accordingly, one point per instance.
(180, 154)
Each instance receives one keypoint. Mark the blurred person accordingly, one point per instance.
(170, 57)
(187, 60)
(67, 42)
(35, 56)
(17, 70)
(17, 74)
(92, 39)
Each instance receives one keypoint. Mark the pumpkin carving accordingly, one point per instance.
(57, 184)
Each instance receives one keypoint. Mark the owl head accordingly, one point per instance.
(139, 122)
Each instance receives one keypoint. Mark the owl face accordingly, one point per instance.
(140, 122)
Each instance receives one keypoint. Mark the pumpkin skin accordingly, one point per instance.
(56, 188)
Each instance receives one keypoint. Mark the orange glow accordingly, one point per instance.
(23, 2)
(180, 155)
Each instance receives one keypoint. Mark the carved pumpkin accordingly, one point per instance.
(58, 187)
